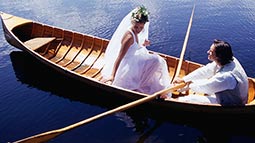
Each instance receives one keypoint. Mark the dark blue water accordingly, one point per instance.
(31, 104)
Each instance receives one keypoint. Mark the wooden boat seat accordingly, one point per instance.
(38, 42)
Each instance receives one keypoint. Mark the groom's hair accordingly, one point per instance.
(223, 51)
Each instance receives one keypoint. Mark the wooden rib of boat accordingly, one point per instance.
(80, 56)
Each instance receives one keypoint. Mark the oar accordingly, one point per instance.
(46, 136)
(177, 71)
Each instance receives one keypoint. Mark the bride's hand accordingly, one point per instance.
(146, 42)
(108, 80)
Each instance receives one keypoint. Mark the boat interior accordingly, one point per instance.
(84, 54)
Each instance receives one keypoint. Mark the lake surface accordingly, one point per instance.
(31, 104)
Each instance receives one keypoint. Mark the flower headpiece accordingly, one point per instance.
(140, 14)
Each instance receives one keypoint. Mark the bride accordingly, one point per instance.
(128, 64)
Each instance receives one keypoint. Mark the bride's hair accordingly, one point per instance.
(140, 14)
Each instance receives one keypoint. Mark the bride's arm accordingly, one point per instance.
(126, 42)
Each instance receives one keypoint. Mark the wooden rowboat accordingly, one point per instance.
(81, 57)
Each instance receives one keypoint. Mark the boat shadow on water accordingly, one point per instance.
(214, 128)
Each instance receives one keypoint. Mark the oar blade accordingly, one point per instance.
(41, 138)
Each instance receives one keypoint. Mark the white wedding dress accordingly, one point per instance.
(139, 70)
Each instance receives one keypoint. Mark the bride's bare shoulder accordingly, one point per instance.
(128, 37)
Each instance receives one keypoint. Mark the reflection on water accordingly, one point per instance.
(31, 103)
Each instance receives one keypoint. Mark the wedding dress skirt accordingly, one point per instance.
(142, 71)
